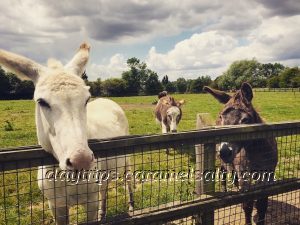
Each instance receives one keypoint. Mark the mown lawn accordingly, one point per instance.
(17, 128)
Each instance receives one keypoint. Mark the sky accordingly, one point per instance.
(176, 38)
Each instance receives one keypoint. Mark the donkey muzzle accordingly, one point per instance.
(82, 159)
(226, 153)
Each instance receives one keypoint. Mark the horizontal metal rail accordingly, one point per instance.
(31, 156)
(187, 209)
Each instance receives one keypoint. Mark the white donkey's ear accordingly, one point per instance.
(79, 61)
(23, 67)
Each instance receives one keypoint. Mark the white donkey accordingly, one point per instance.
(65, 120)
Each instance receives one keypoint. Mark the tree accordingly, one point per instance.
(136, 77)
(239, 72)
(95, 87)
(273, 82)
(181, 85)
(165, 80)
(215, 82)
(152, 84)
(14, 85)
(170, 87)
(257, 74)
(84, 77)
(114, 87)
(11, 87)
(296, 81)
(167, 85)
(269, 70)
(4, 85)
(198, 84)
(188, 85)
(289, 78)
(25, 90)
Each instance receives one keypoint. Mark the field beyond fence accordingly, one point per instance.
(17, 125)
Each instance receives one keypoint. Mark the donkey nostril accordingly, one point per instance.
(226, 153)
(173, 131)
(68, 162)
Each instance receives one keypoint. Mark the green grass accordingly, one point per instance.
(17, 128)
(273, 107)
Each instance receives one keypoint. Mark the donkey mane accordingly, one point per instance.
(60, 81)
(54, 64)
(168, 100)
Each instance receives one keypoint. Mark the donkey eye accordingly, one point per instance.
(226, 111)
(245, 120)
(43, 103)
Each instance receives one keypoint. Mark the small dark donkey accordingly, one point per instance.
(245, 157)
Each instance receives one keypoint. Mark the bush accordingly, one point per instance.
(8, 126)
(114, 87)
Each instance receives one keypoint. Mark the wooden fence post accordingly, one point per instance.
(205, 161)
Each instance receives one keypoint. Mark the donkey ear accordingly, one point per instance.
(23, 67)
(247, 91)
(165, 102)
(78, 62)
(221, 96)
(180, 103)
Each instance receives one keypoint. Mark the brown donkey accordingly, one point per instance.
(168, 112)
(245, 158)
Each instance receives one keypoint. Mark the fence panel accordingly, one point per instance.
(164, 183)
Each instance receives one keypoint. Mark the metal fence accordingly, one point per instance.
(276, 89)
(179, 187)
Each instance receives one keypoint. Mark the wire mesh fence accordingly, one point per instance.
(182, 178)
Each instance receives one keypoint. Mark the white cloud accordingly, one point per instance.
(275, 40)
(202, 52)
(211, 52)
(223, 32)
(114, 68)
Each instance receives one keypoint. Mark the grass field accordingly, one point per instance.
(17, 128)
(17, 125)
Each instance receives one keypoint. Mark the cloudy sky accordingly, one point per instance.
(179, 38)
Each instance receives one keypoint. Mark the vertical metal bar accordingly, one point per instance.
(43, 196)
(151, 169)
(159, 181)
(30, 190)
(142, 148)
(133, 173)
(4, 194)
(18, 193)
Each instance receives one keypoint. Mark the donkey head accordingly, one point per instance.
(61, 97)
(173, 112)
(237, 110)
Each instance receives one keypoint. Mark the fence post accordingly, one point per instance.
(205, 161)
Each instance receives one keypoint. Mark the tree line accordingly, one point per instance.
(11, 87)
(140, 80)
(259, 75)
